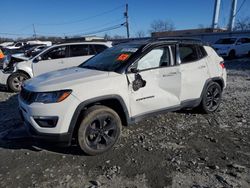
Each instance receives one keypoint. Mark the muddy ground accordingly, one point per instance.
(179, 149)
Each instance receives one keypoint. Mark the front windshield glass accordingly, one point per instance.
(112, 58)
(226, 41)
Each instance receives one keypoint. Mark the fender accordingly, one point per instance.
(219, 80)
(25, 66)
(84, 104)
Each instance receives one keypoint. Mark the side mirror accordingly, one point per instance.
(238, 43)
(134, 70)
(37, 59)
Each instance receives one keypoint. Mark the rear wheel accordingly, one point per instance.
(16, 80)
(99, 130)
(231, 54)
(212, 98)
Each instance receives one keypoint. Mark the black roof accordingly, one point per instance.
(156, 41)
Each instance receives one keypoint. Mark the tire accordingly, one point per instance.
(231, 54)
(211, 98)
(99, 130)
(15, 81)
(248, 54)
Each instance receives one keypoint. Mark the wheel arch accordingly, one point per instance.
(18, 71)
(114, 102)
(24, 72)
(218, 80)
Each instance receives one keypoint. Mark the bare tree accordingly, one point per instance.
(107, 37)
(118, 37)
(243, 24)
(140, 34)
(161, 25)
(201, 26)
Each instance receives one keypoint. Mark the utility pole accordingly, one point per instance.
(34, 30)
(232, 15)
(126, 17)
(216, 14)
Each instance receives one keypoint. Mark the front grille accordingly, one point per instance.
(27, 96)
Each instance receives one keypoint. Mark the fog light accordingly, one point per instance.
(46, 121)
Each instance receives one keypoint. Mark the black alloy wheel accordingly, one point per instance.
(99, 130)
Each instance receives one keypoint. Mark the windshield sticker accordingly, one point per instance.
(123, 57)
(132, 50)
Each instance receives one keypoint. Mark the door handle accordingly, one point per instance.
(202, 67)
(169, 74)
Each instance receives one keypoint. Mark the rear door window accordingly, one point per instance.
(188, 53)
(79, 50)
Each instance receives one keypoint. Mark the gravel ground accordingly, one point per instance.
(179, 149)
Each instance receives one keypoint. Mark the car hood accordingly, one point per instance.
(63, 79)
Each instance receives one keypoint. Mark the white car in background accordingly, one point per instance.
(16, 45)
(232, 47)
(53, 58)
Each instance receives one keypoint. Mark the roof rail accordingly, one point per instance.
(179, 39)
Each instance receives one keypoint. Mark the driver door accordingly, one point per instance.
(51, 60)
(156, 83)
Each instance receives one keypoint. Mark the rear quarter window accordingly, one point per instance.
(79, 50)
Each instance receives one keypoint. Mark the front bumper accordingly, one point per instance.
(57, 139)
(64, 110)
(4, 77)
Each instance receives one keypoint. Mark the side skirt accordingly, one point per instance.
(184, 104)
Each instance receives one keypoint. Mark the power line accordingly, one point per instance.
(83, 20)
(105, 29)
(87, 29)
(240, 7)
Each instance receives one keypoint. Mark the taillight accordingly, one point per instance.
(222, 64)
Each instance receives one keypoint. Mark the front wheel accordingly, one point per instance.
(99, 130)
(16, 80)
(212, 98)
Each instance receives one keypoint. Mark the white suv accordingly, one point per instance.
(53, 58)
(232, 47)
(120, 86)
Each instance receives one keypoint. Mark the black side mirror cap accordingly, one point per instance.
(134, 70)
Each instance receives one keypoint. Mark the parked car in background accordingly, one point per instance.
(2, 56)
(53, 58)
(232, 47)
(16, 45)
(35, 50)
(4, 44)
(120, 86)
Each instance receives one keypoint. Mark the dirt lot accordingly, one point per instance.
(180, 149)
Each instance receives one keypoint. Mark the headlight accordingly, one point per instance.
(52, 97)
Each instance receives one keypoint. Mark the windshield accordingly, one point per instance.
(226, 41)
(112, 58)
